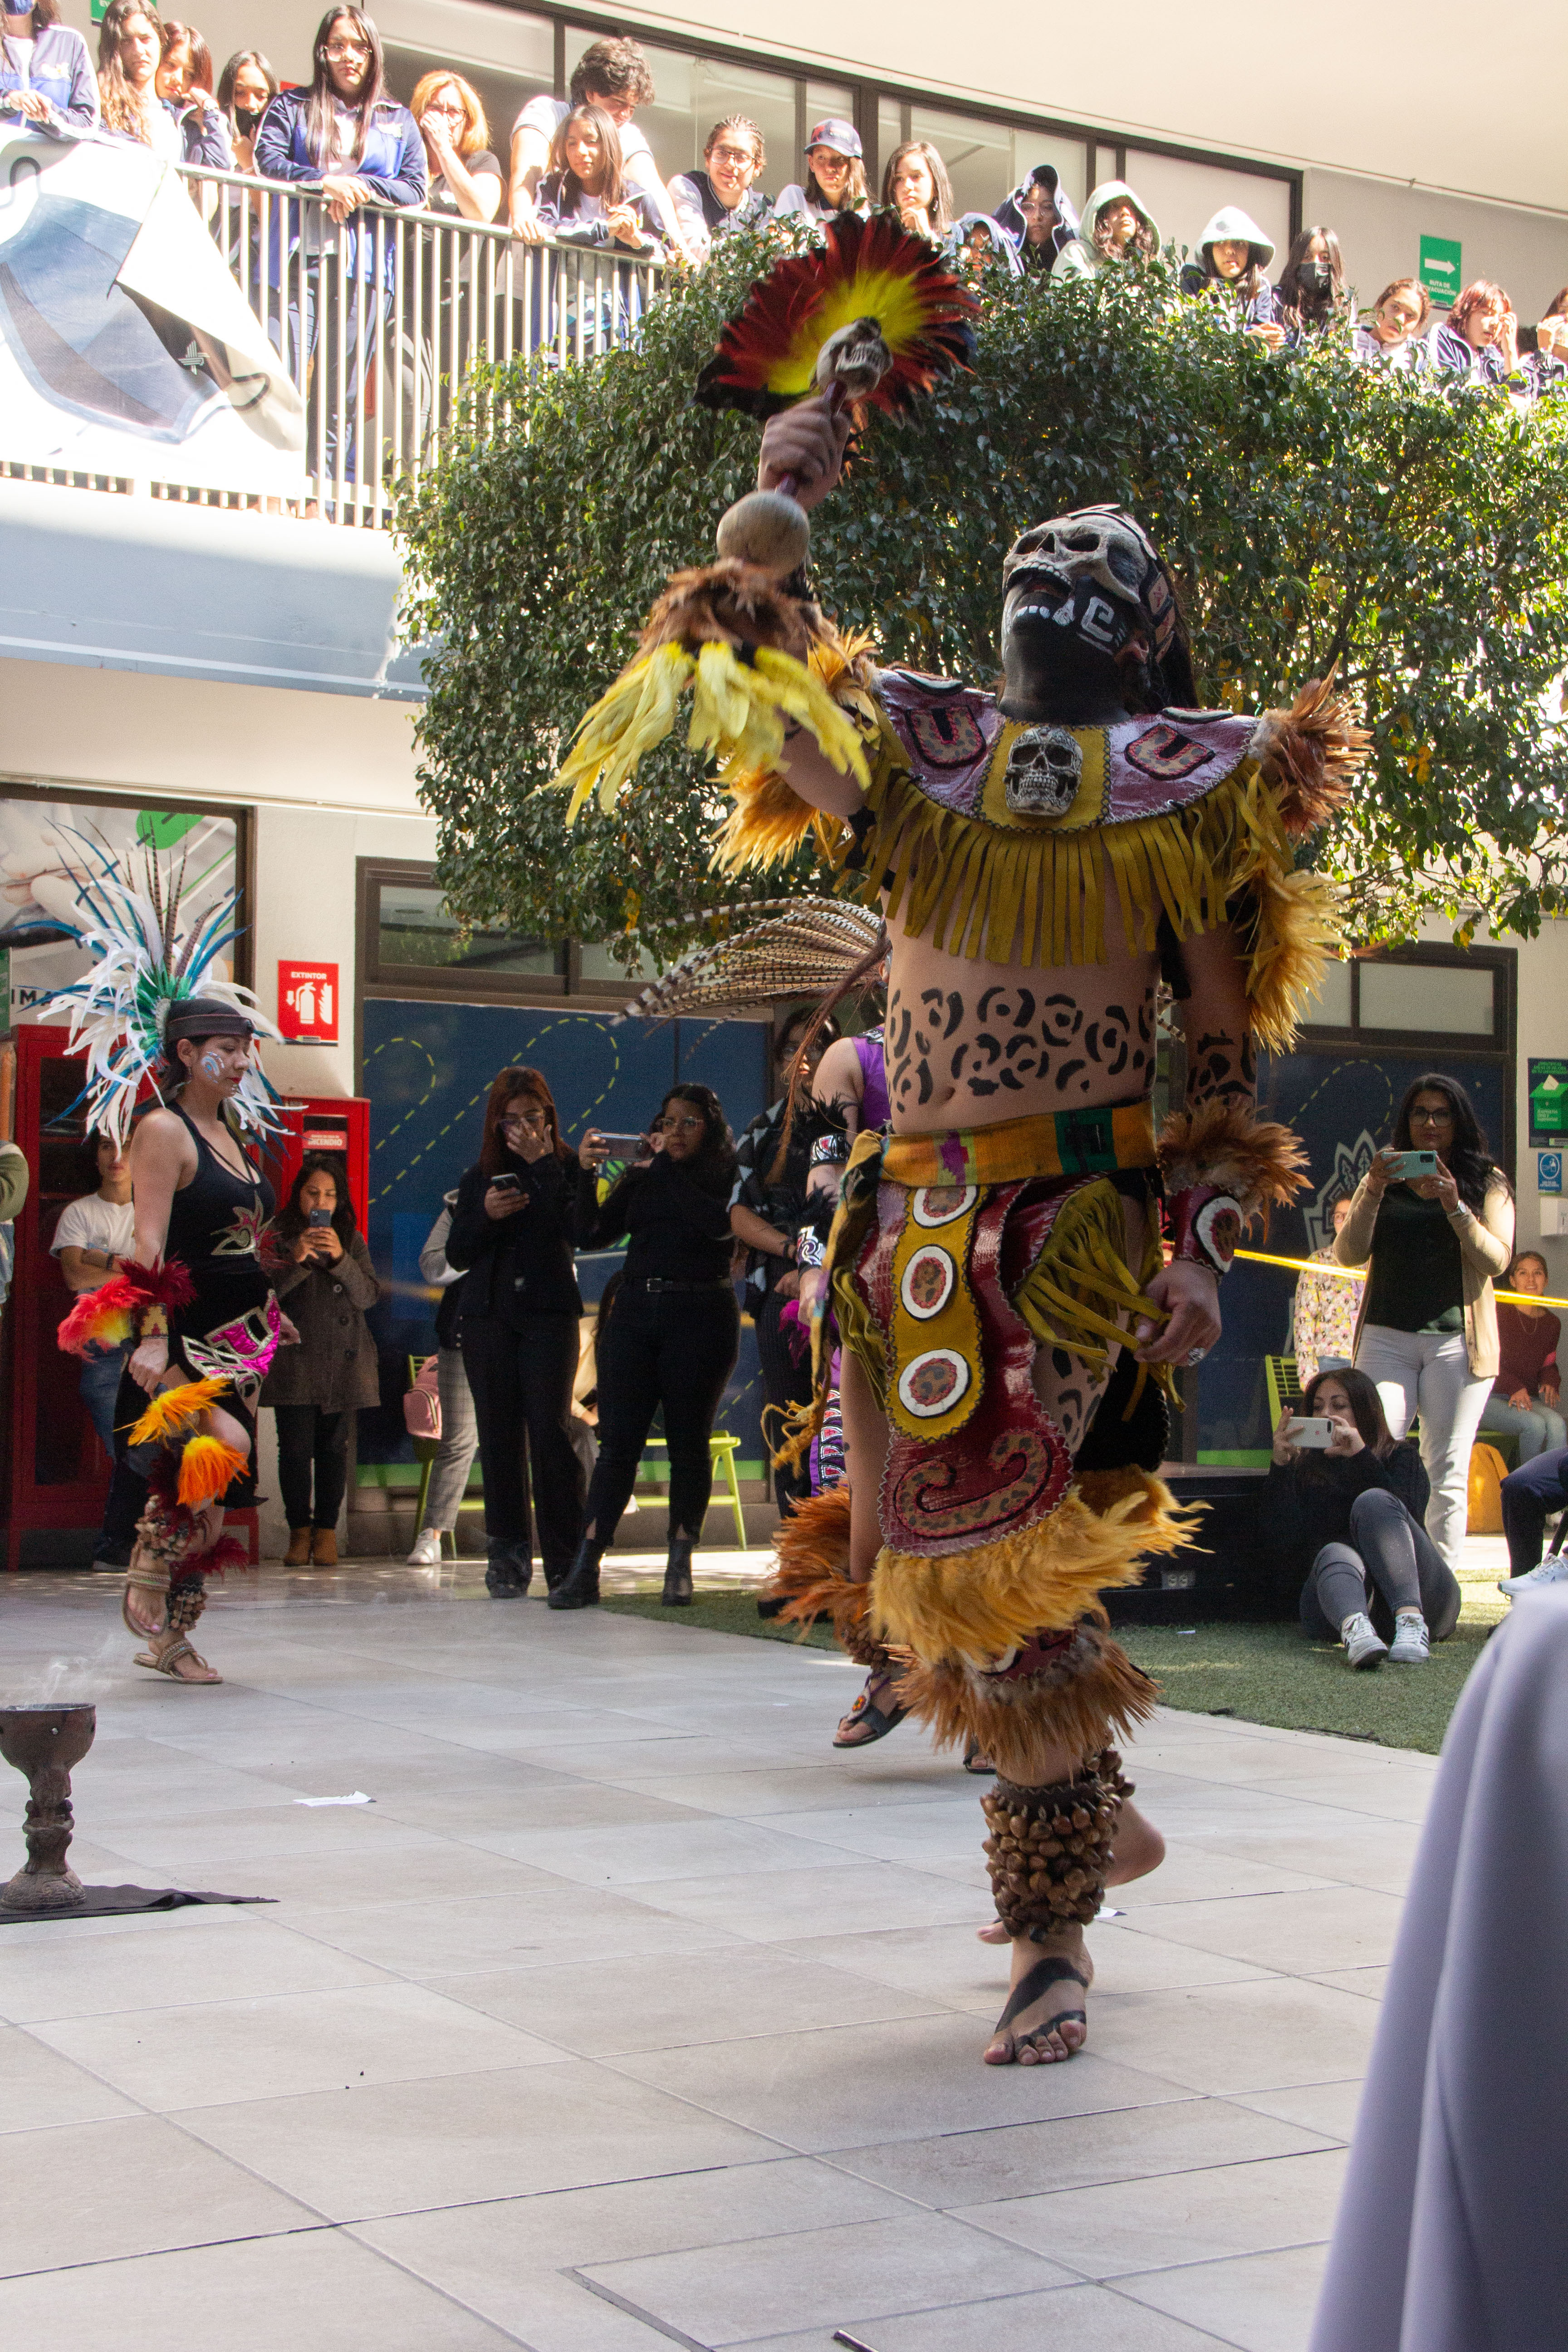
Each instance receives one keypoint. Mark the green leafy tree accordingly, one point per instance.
(1409, 531)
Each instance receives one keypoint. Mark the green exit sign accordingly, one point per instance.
(1440, 268)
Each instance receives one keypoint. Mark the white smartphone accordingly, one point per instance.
(1315, 1431)
(1409, 1165)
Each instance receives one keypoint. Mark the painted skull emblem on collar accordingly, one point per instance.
(1045, 766)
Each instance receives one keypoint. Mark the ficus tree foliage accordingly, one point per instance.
(1410, 532)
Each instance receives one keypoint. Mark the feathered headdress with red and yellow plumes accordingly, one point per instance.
(869, 318)
(864, 270)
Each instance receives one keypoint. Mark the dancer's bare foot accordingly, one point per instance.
(144, 1605)
(1140, 1848)
(1044, 2020)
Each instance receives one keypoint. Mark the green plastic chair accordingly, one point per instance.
(1284, 1387)
(723, 1449)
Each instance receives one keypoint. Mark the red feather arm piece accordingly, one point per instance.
(874, 269)
(109, 1316)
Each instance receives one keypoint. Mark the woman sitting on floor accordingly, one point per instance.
(1352, 1515)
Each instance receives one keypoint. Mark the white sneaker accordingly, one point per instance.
(1551, 1572)
(1412, 1642)
(1362, 1644)
(426, 1551)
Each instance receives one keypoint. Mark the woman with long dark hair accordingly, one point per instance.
(669, 1343)
(1428, 1331)
(1312, 292)
(511, 1236)
(184, 82)
(1349, 1515)
(46, 74)
(584, 198)
(916, 186)
(316, 1389)
(247, 88)
(130, 51)
(352, 145)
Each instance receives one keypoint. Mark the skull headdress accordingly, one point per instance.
(1106, 576)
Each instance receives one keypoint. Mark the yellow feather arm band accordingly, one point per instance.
(739, 710)
(173, 1411)
(207, 1469)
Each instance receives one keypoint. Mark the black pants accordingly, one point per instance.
(673, 1350)
(1390, 1563)
(521, 1376)
(785, 1382)
(309, 1439)
(1530, 1494)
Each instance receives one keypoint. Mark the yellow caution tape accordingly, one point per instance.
(1358, 1274)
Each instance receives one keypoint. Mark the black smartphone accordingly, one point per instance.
(507, 1182)
(321, 1217)
(625, 1146)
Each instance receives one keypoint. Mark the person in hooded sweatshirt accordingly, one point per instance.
(1116, 226)
(1233, 260)
(976, 240)
(1039, 217)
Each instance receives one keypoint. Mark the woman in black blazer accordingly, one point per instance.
(511, 1236)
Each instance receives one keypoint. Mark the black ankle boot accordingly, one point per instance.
(556, 1572)
(677, 1592)
(508, 1571)
(579, 1589)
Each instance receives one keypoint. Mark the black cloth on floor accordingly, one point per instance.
(104, 1902)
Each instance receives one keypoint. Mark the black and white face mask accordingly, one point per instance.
(1094, 572)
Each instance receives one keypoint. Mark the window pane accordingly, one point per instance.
(508, 57)
(694, 93)
(1330, 1007)
(1431, 998)
(413, 928)
(889, 135)
(603, 963)
(1184, 198)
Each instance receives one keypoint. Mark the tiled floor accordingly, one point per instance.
(630, 2015)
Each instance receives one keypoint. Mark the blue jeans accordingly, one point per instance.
(1538, 1426)
(100, 1385)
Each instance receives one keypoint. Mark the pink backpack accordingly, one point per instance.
(421, 1402)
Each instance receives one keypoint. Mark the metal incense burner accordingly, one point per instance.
(44, 1743)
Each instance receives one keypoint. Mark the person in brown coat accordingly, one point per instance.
(326, 1275)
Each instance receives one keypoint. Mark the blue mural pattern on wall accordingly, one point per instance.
(428, 1069)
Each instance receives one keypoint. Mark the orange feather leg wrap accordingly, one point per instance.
(209, 1468)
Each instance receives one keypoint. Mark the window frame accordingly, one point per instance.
(440, 983)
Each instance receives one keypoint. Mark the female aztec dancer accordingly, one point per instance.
(1043, 860)
(195, 1294)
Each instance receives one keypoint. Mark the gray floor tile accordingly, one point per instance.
(1087, 2318)
(79, 2193)
(724, 2295)
(50, 1972)
(318, 2290)
(39, 2089)
(1270, 2034)
(1262, 2303)
(405, 2147)
(1188, 2216)
(846, 2086)
(1021, 2161)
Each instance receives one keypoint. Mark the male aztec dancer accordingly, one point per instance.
(1043, 860)
(152, 1012)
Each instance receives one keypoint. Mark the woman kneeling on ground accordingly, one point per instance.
(1353, 1515)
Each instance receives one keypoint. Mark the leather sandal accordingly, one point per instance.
(877, 1721)
(166, 1664)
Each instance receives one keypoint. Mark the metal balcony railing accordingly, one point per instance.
(378, 322)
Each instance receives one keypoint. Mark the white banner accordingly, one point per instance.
(126, 345)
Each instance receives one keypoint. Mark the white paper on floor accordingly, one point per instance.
(358, 1797)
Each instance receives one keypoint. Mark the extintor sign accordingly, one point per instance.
(308, 1003)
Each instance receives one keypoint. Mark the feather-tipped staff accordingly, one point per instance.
(872, 319)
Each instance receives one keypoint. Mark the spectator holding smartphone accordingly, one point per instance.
(1526, 1399)
(46, 74)
(315, 1388)
(669, 1343)
(511, 1236)
(1348, 1513)
(1427, 1335)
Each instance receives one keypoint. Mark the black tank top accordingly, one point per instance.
(216, 1224)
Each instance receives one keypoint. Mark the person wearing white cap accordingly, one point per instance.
(1233, 260)
(834, 176)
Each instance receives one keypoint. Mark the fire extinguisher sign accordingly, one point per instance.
(308, 1003)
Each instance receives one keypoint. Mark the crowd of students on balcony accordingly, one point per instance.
(580, 172)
